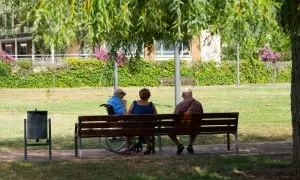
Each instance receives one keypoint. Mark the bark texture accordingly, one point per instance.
(295, 100)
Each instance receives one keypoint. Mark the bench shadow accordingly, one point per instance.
(67, 142)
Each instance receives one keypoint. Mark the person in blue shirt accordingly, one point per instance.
(118, 102)
(119, 105)
(143, 106)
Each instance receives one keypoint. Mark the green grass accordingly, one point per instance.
(264, 111)
(152, 168)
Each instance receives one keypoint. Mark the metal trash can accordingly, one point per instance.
(37, 127)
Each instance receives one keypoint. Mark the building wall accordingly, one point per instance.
(210, 46)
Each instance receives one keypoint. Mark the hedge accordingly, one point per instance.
(94, 73)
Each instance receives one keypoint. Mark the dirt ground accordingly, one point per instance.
(263, 148)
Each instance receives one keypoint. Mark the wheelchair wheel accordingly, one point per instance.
(116, 144)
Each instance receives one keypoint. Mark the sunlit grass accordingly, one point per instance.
(264, 110)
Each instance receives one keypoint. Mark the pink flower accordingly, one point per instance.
(101, 54)
(121, 58)
(268, 55)
(4, 57)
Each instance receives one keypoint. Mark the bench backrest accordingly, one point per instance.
(206, 123)
(165, 124)
(117, 125)
(183, 81)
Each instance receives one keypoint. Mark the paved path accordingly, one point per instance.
(282, 147)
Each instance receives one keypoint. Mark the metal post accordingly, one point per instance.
(16, 48)
(32, 51)
(159, 136)
(115, 74)
(50, 140)
(80, 146)
(25, 141)
(228, 142)
(52, 53)
(238, 65)
(177, 74)
(0, 45)
(76, 141)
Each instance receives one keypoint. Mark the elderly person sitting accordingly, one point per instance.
(118, 102)
(143, 106)
(188, 105)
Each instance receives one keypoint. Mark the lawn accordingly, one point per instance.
(152, 168)
(264, 111)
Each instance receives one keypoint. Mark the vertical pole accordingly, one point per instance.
(115, 74)
(16, 48)
(25, 141)
(177, 74)
(52, 53)
(159, 136)
(76, 141)
(50, 141)
(32, 51)
(228, 142)
(0, 45)
(238, 65)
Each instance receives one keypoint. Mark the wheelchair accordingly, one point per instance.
(117, 144)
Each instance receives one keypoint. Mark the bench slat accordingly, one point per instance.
(115, 118)
(147, 124)
(117, 132)
(187, 131)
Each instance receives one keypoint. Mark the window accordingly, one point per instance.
(162, 49)
(22, 49)
(8, 48)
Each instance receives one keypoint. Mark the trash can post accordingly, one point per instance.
(50, 144)
(25, 141)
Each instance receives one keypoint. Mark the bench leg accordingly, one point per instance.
(76, 145)
(228, 142)
(80, 147)
(236, 143)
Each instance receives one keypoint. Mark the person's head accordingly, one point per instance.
(119, 93)
(186, 93)
(144, 94)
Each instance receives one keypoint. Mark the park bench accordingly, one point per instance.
(170, 81)
(158, 125)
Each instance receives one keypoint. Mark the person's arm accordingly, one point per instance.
(154, 109)
(130, 109)
(124, 103)
(178, 109)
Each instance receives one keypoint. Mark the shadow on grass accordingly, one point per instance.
(67, 142)
(144, 168)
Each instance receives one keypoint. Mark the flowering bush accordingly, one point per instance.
(268, 55)
(4, 57)
(101, 54)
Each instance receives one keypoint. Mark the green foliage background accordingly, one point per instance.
(94, 73)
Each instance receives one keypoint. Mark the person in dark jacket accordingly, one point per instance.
(188, 105)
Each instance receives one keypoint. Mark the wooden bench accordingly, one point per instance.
(170, 81)
(159, 125)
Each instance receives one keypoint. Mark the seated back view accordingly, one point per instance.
(143, 106)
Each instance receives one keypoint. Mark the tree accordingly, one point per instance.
(289, 16)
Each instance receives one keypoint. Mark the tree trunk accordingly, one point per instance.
(295, 101)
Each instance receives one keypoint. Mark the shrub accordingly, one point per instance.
(137, 72)
(5, 70)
